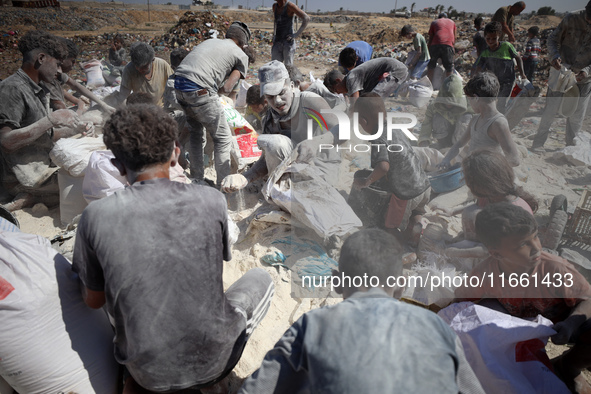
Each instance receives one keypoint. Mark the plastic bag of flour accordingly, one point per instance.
(506, 353)
(94, 73)
(72, 154)
(102, 178)
(310, 200)
(419, 92)
(244, 144)
(236, 121)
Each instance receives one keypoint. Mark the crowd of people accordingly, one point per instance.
(142, 307)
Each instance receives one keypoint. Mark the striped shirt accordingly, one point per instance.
(532, 49)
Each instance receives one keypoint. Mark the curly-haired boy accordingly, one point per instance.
(153, 255)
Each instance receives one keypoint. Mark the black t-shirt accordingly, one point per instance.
(156, 249)
(406, 178)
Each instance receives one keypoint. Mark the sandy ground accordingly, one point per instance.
(542, 175)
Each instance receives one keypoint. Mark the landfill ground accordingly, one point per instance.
(91, 26)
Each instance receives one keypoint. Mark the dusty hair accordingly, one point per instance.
(348, 57)
(141, 54)
(253, 95)
(406, 30)
(140, 98)
(140, 135)
(502, 220)
(535, 30)
(484, 84)
(44, 42)
(330, 79)
(177, 56)
(486, 170)
(240, 32)
(251, 53)
(71, 47)
(493, 27)
(371, 252)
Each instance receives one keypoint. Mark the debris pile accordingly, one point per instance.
(387, 35)
(193, 28)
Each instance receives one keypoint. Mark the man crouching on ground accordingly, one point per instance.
(152, 254)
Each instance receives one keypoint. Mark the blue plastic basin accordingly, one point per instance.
(448, 181)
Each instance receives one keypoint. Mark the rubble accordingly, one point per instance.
(193, 28)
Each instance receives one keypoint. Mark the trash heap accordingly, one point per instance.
(8, 39)
(62, 18)
(193, 28)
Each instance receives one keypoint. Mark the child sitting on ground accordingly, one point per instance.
(490, 179)
(419, 63)
(498, 58)
(555, 289)
(447, 118)
(148, 276)
(488, 129)
(532, 52)
(397, 171)
(256, 106)
(385, 344)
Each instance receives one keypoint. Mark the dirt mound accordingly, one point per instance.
(248, 17)
(542, 21)
(384, 36)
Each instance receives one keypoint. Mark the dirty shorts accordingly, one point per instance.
(399, 211)
(283, 51)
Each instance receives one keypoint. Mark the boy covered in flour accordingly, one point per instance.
(160, 277)
(387, 346)
(488, 129)
(396, 169)
(285, 127)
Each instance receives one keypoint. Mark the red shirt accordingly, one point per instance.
(554, 301)
(443, 31)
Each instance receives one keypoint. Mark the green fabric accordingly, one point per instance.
(499, 62)
(420, 44)
(505, 51)
(450, 103)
